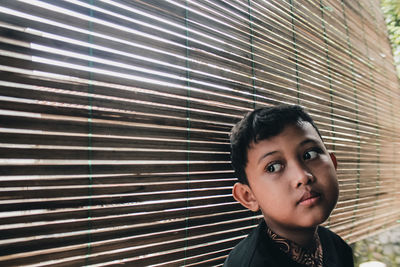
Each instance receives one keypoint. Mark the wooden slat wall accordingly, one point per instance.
(115, 115)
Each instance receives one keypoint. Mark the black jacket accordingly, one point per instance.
(257, 249)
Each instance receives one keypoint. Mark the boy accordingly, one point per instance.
(285, 170)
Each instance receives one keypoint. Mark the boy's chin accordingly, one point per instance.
(305, 224)
(312, 221)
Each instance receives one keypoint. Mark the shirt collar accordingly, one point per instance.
(310, 256)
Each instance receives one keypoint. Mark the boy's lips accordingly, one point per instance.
(309, 198)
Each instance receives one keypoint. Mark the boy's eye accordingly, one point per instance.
(310, 155)
(274, 167)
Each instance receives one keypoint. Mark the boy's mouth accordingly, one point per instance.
(309, 198)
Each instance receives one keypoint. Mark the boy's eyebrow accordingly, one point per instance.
(266, 155)
(304, 142)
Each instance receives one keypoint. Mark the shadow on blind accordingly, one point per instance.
(115, 115)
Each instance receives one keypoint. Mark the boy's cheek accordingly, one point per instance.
(333, 187)
(323, 167)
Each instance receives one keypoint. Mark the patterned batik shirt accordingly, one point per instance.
(310, 256)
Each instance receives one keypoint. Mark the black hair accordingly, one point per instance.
(261, 124)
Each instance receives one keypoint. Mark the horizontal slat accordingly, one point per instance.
(59, 236)
(104, 249)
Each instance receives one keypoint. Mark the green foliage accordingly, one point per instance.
(391, 11)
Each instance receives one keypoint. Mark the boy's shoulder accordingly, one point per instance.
(335, 250)
(257, 250)
(243, 253)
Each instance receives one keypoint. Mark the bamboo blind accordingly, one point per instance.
(115, 114)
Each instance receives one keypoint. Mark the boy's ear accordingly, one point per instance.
(333, 158)
(243, 194)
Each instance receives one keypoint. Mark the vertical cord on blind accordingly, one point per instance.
(295, 51)
(253, 221)
(322, 7)
(355, 93)
(252, 55)
(328, 63)
(90, 152)
(187, 131)
(390, 99)
(372, 85)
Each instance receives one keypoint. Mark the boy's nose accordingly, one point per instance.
(301, 175)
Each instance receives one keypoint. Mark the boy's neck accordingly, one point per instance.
(304, 237)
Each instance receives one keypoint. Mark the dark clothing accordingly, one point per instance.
(257, 250)
(310, 255)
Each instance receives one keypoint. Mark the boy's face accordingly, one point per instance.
(292, 179)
